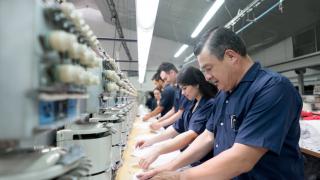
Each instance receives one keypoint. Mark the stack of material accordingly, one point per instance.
(310, 135)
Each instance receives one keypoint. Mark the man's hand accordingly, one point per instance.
(155, 126)
(153, 172)
(167, 175)
(147, 175)
(145, 162)
(142, 144)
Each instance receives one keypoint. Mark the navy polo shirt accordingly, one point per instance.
(262, 111)
(180, 101)
(167, 99)
(195, 121)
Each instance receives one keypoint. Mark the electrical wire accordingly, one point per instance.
(227, 9)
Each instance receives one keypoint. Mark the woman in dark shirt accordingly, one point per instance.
(151, 101)
(157, 96)
(193, 120)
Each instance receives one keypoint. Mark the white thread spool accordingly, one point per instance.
(67, 9)
(58, 40)
(111, 86)
(96, 42)
(97, 62)
(112, 75)
(94, 62)
(88, 34)
(82, 50)
(121, 83)
(80, 75)
(113, 63)
(85, 29)
(109, 74)
(74, 51)
(77, 19)
(116, 78)
(66, 73)
(71, 39)
(86, 55)
(92, 39)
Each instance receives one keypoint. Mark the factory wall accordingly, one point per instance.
(277, 53)
(283, 52)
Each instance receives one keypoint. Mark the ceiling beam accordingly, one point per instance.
(115, 17)
(306, 61)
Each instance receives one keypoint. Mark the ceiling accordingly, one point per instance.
(176, 20)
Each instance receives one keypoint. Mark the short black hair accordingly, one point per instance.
(166, 67)
(156, 77)
(218, 40)
(151, 94)
(193, 76)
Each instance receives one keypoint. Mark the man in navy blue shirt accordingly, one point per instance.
(254, 129)
(157, 81)
(167, 98)
(168, 72)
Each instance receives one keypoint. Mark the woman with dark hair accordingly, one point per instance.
(157, 95)
(151, 101)
(193, 120)
(192, 77)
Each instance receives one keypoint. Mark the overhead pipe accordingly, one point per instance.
(126, 61)
(116, 39)
(260, 16)
(241, 13)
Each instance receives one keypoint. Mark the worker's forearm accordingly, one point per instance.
(178, 142)
(167, 115)
(220, 167)
(228, 164)
(200, 147)
(167, 134)
(171, 119)
(156, 111)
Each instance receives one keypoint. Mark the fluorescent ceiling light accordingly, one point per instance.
(180, 51)
(212, 11)
(146, 12)
(144, 42)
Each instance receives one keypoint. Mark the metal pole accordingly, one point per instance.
(300, 73)
(116, 39)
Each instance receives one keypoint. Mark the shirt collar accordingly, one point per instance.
(251, 73)
(250, 76)
(203, 100)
